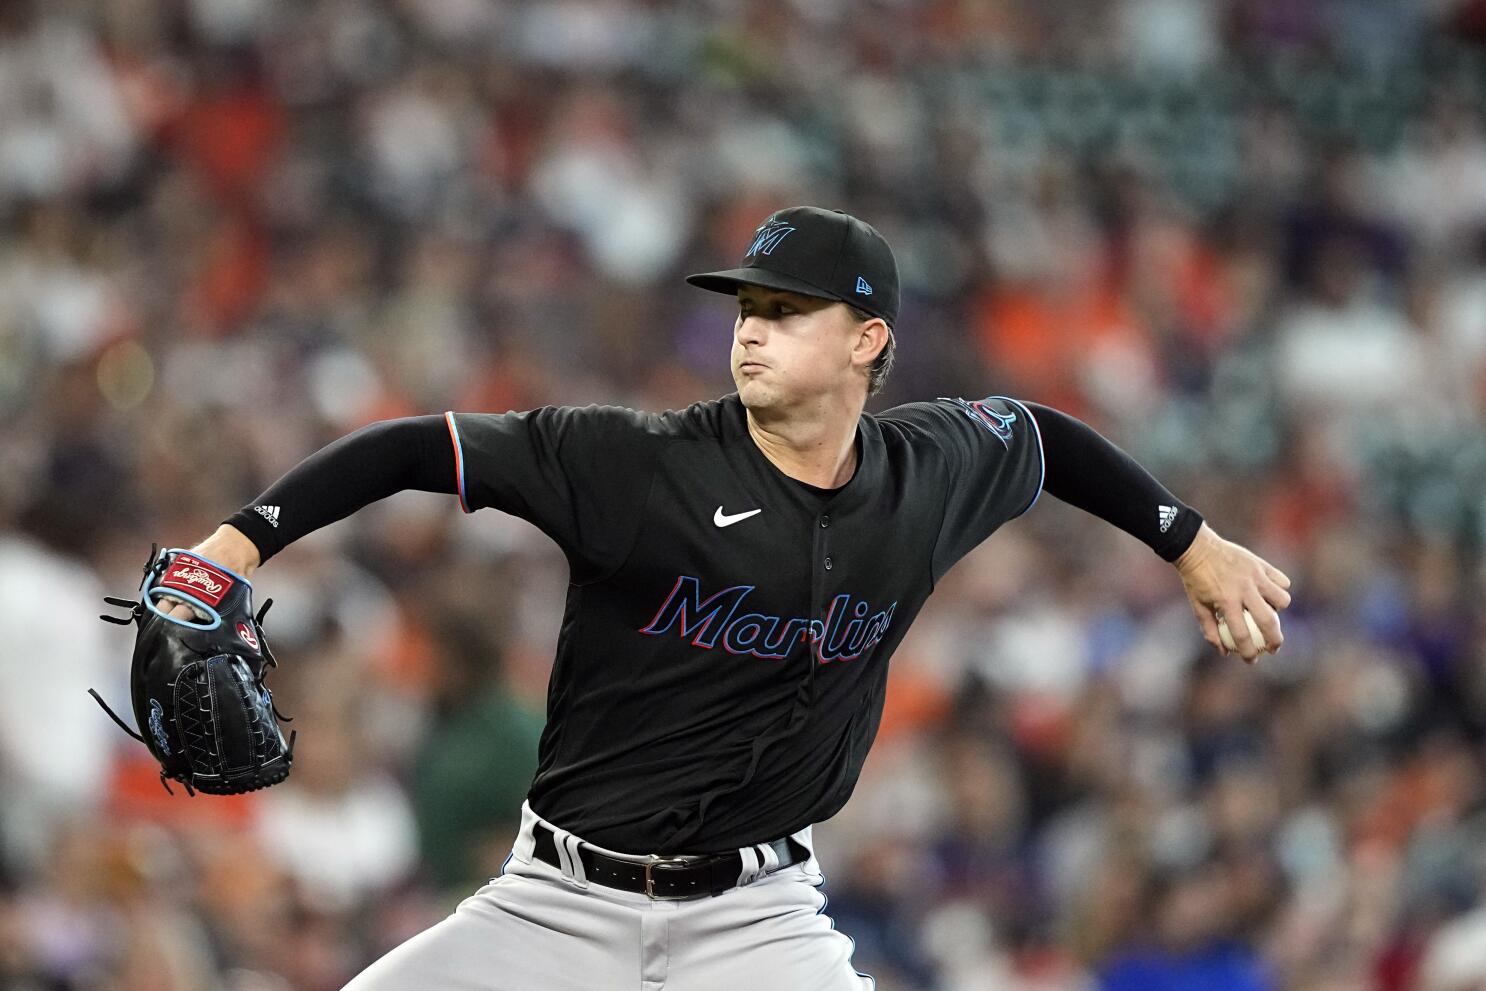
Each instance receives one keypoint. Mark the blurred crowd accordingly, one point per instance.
(1246, 239)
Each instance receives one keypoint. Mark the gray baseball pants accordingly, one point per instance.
(544, 928)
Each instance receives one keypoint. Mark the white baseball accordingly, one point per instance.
(1254, 634)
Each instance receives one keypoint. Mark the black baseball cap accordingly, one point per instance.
(823, 253)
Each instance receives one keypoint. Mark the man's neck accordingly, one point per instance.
(819, 450)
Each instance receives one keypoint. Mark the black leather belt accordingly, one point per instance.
(665, 878)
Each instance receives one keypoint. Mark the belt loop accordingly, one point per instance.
(575, 859)
(526, 839)
(752, 865)
(771, 858)
(563, 853)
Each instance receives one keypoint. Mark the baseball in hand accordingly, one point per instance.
(1254, 634)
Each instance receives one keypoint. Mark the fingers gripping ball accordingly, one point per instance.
(197, 684)
(1226, 635)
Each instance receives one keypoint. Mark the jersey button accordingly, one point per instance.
(825, 521)
(828, 562)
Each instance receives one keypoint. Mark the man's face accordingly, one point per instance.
(789, 349)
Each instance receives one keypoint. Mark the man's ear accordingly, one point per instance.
(871, 338)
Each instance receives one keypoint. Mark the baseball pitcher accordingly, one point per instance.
(741, 572)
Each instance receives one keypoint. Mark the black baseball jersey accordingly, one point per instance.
(722, 663)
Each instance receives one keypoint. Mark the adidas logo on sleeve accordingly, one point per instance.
(271, 513)
(1167, 516)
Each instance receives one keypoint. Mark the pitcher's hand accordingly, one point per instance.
(1223, 579)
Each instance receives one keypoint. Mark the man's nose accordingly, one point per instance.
(751, 329)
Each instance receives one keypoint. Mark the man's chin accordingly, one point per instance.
(754, 394)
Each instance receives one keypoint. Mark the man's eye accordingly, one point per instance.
(787, 310)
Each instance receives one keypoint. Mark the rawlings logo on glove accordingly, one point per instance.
(198, 686)
(191, 574)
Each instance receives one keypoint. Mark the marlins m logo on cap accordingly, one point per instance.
(767, 237)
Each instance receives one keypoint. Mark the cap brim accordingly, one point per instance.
(729, 281)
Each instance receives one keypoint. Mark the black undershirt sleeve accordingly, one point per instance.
(1085, 470)
(373, 463)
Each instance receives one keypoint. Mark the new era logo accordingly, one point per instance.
(270, 513)
(863, 287)
(1167, 516)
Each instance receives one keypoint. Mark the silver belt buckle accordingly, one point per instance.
(666, 863)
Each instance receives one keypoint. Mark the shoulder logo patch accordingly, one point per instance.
(995, 421)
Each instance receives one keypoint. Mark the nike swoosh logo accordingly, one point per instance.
(723, 519)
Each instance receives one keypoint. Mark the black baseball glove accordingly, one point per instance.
(197, 685)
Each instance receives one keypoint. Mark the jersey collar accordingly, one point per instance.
(764, 474)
